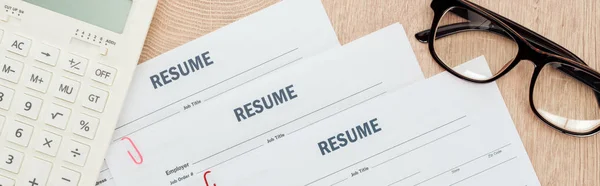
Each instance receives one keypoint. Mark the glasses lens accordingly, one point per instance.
(463, 35)
(565, 101)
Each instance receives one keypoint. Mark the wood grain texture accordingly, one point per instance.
(558, 159)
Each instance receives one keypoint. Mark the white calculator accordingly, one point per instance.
(65, 66)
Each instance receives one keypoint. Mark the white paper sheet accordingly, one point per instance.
(268, 40)
(205, 136)
(440, 131)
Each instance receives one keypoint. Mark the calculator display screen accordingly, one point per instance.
(108, 14)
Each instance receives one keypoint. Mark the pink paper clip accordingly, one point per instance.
(136, 150)
(206, 181)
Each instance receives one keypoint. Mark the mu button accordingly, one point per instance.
(66, 89)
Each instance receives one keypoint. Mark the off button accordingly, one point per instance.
(103, 74)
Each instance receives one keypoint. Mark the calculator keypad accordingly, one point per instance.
(52, 101)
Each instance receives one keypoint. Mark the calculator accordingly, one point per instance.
(65, 67)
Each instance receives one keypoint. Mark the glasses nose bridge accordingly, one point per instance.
(533, 55)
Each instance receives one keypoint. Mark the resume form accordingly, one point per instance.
(275, 37)
(182, 150)
(441, 131)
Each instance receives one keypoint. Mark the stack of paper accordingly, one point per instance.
(262, 108)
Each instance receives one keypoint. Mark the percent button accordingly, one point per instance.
(84, 125)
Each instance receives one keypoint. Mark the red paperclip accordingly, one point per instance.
(206, 181)
(136, 150)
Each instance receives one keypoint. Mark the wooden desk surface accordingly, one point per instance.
(558, 159)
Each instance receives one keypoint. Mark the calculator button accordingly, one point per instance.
(11, 70)
(74, 64)
(84, 125)
(11, 160)
(65, 177)
(37, 79)
(56, 115)
(35, 173)
(2, 120)
(17, 44)
(47, 54)
(18, 133)
(95, 99)
(4, 181)
(103, 74)
(75, 152)
(48, 143)
(66, 89)
(6, 96)
(28, 106)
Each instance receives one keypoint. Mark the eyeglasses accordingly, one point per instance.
(564, 92)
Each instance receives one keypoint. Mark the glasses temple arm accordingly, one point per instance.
(456, 28)
(449, 30)
(533, 38)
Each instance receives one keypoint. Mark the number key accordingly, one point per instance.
(11, 160)
(28, 106)
(6, 96)
(18, 133)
